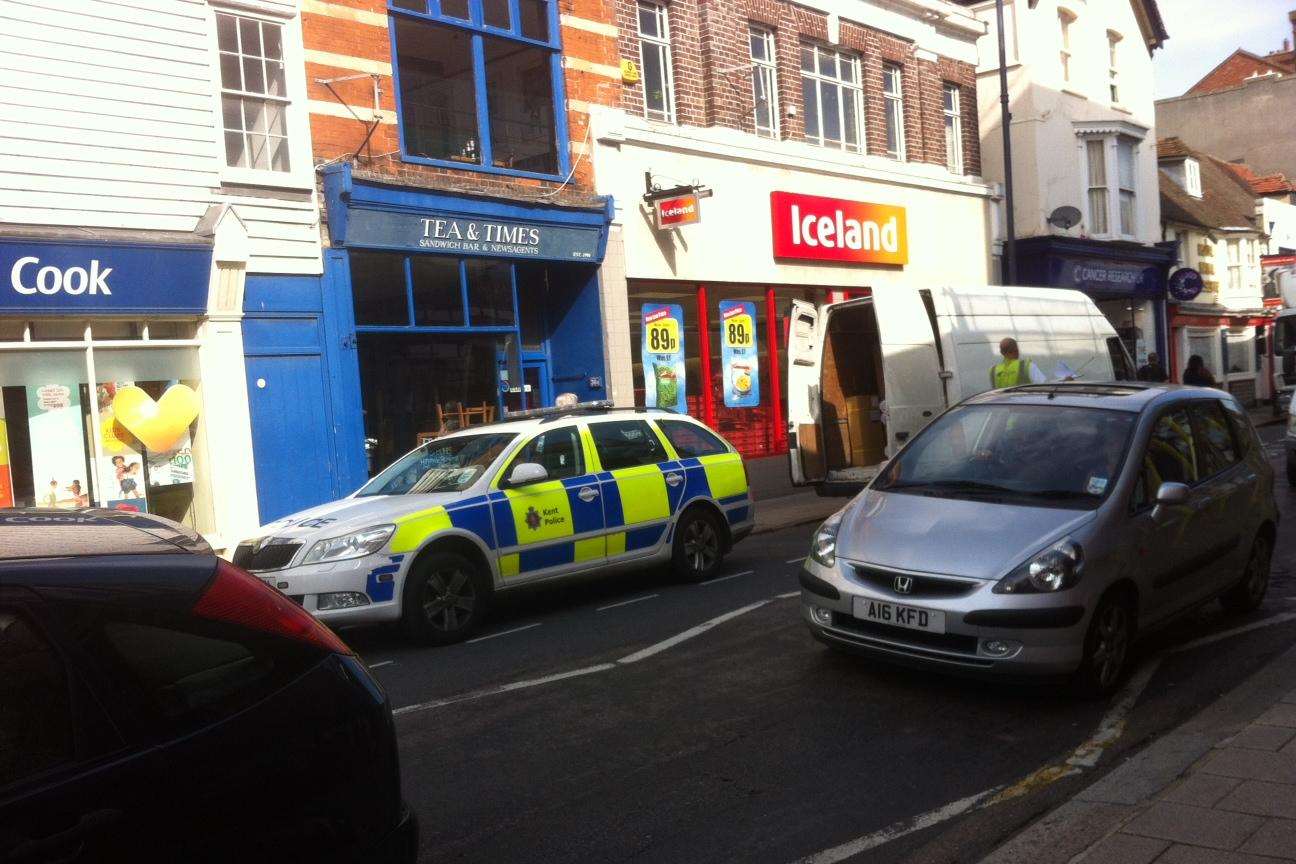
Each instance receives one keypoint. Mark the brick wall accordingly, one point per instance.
(349, 37)
(709, 43)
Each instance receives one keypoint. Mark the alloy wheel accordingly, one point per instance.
(1113, 644)
(701, 545)
(449, 599)
(1257, 572)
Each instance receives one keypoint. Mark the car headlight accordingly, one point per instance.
(353, 545)
(1055, 569)
(823, 548)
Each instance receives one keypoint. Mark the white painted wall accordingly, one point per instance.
(109, 118)
(1278, 219)
(1048, 162)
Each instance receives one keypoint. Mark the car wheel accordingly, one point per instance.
(446, 598)
(699, 546)
(1250, 590)
(1107, 646)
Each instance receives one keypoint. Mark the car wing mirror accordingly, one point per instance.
(527, 472)
(1172, 494)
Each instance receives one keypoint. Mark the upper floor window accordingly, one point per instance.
(953, 129)
(1065, 20)
(1112, 195)
(655, 54)
(1235, 265)
(764, 77)
(834, 101)
(1192, 177)
(476, 83)
(1113, 73)
(254, 93)
(893, 96)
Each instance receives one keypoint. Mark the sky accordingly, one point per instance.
(1204, 32)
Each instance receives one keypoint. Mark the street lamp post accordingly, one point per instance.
(1005, 120)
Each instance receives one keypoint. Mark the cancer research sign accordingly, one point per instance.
(461, 235)
(53, 277)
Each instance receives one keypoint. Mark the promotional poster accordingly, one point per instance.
(6, 474)
(57, 446)
(121, 469)
(663, 357)
(738, 356)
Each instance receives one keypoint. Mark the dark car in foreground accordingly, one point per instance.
(159, 704)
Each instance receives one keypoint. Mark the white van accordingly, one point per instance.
(865, 375)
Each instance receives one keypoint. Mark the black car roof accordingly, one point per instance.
(45, 533)
(1133, 396)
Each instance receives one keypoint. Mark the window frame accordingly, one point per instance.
(1065, 19)
(661, 11)
(514, 460)
(1200, 439)
(1192, 177)
(855, 90)
(766, 71)
(1113, 70)
(953, 123)
(663, 425)
(301, 170)
(1113, 186)
(1135, 507)
(1234, 263)
(656, 436)
(477, 29)
(893, 108)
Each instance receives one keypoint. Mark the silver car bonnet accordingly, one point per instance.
(956, 536)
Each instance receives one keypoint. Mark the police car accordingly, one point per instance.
(429, 541)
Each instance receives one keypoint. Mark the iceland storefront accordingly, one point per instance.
(457, 308)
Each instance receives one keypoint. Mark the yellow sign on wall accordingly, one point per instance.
(629, 72)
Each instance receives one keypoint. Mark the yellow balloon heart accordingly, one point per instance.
(159, 425)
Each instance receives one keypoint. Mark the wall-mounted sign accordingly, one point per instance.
(1185, 284)
(629, 72)
(1111, 278)
(58, 455)
(738, 356)
(460, 235)
(663, 357)
(100, 279)
(676, 211)
(811, 228)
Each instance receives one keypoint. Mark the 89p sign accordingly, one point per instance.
(738, 356)
(663, 357)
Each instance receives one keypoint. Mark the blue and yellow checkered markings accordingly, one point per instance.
(741, 497)
(611, 495)
(586, 515)
(737, 514)
(505, 535)
(380, 584)
(473, 516)
(643, 538)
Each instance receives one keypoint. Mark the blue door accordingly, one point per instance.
(290, 442)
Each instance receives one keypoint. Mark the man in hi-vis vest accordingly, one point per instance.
(1013, 370)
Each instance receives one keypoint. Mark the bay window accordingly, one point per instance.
(1111, 199)
(1235, 266)
(655, 55)
(478, 82)
(834, 101)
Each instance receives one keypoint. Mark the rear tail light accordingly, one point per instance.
(237, 597)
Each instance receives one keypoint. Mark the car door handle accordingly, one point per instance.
(587, 494)
(1201, 504)
(674, 479)
(67, 845)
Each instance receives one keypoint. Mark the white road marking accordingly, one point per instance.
(504, 688)
(689, 633)
(727, 578)
(896, 830)
(795, 560)
(1225, 634)
(1112, 725)
(626, 602)
(381, 663)
(503, 633)
(787, 595)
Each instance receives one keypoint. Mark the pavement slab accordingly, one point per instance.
(1276, 838)
(1202, 790)
(1198, 826)
(1282, 714)
(1252, 765)
(1261, 799)
(1198, 855)
(1261, 737)
(1124, 849)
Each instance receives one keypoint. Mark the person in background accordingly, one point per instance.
(1013, 370)
(1197, 374)
(1152, 370)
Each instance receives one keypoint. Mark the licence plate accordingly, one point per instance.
(911, 617)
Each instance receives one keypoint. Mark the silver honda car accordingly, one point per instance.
(1036, 530)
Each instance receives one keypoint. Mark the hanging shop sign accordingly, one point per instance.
(811, 228)
(678, 210)
(58, 455)
(738, 356)
(100, 279)
(6, 473)
(663, 357)
(1185, 284)
(462, 235)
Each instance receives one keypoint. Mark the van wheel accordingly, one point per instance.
(1106, 647)
(1249, 592)
(446, 597)
(698, 550)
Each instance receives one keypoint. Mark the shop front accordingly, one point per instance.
(1127, 281)
(458, 308)
(1231, 343)
(121, 380)
(774, 223)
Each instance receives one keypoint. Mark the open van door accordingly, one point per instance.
(911, 363)
(805, 438)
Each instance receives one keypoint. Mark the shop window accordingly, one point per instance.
(953, 129)
(490, 294)
(378, 289)
(893, 96)
(445, 70)
(691, 440)
(625, 444)
(655, 56)
(254, 93)
(1241, 351)
(834, 100)
(438, 294)
(764, 77)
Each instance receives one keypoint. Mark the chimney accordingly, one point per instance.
(1291, 18)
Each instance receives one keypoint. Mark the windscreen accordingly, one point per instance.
(1040, 455)
(445, 465)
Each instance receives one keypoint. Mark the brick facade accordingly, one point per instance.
(711, 61)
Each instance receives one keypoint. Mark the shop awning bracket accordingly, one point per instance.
(371, 126)
(654, 192)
